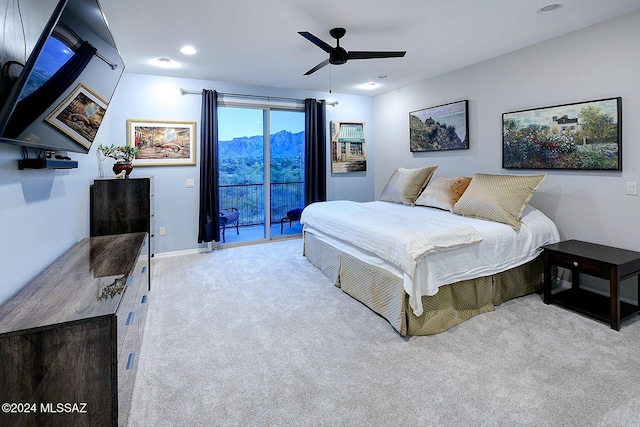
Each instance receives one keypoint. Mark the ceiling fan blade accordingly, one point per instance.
(317, 67)
(313, 39)
(369, 55)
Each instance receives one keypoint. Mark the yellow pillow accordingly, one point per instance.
(500, 198)
(405, 184)
(443, 192)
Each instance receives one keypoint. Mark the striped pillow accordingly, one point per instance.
(500, 198)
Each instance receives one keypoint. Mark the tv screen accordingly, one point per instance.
(60, 68)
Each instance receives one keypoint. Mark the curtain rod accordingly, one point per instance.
(238, 95)
(78, 39)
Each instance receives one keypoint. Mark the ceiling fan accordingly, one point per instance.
(338, 55)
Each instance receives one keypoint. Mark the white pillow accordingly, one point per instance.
(404, 185)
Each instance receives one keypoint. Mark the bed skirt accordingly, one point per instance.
(383, 292)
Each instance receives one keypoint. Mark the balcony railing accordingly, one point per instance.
(249, 200)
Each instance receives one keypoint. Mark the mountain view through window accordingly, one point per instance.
(244, 151)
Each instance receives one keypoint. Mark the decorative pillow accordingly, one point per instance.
(405, 184)
(500, 198)
(443, 192)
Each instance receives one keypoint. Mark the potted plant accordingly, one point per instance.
(123, 155)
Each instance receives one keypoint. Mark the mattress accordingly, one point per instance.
(499, 249)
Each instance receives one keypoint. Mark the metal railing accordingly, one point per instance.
(249, 200)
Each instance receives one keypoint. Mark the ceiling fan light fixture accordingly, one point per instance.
(338, 55)
(550, 8)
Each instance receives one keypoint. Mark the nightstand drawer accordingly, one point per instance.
(584, 266)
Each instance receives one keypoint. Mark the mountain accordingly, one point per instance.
(283, 144)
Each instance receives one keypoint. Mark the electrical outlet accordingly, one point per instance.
(191, 183)
(632, 188)
(161, 231)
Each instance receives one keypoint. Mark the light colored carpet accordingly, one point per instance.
(257, 336)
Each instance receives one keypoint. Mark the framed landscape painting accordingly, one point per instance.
(578, 136)
(445, 127)
(162, 143)
(79, 115)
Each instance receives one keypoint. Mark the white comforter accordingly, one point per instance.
(427, 247)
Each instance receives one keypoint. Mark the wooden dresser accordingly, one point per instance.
(122, 206)
(70, 339)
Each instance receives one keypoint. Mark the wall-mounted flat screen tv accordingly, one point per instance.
(60, 68)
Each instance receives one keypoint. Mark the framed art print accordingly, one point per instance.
(79, 115)
(348, 147)
(445, 127)
(162, 143)
(577, 136)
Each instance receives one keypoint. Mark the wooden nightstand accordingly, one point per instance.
(601, 261)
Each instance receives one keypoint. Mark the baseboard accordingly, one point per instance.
(178, 253)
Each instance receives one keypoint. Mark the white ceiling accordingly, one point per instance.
(256, 42)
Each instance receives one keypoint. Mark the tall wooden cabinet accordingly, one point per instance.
(70, 339)
(122, 206)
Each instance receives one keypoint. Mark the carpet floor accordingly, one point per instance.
(257, 336)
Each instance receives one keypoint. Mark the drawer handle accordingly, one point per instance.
(144, 269)
(575, 263)
(144, 299)
(130, 361)
(130, 318)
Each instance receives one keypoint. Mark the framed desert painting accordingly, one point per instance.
(79, 115)
(445, 127)
(162, 143)
(577, 136)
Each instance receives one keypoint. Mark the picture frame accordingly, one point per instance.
(79, 116)
(348, 147)
(577, 136)
(162, 143)
(443, 127)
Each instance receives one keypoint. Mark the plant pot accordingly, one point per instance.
(119, 167)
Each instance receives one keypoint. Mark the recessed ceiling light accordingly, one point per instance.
(550, 8)
(188, 50)
(368, 86)
(165, 63)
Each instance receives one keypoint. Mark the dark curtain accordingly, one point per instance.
(315, 133)
(209, 222)
(32, 106)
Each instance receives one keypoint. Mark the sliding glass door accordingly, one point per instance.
(261, 161)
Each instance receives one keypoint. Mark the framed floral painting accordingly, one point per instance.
(581, 135)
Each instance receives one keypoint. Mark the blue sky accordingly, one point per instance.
(234, 122)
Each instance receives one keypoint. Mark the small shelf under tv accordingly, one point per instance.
(47, 164)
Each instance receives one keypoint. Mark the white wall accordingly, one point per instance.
(602, 61)
(42, 213)
(176, 207)
(45, 212)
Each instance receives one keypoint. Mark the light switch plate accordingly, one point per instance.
(191, 183)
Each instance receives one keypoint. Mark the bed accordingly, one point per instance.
(428, 257)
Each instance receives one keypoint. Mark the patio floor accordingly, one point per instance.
(257, 232)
